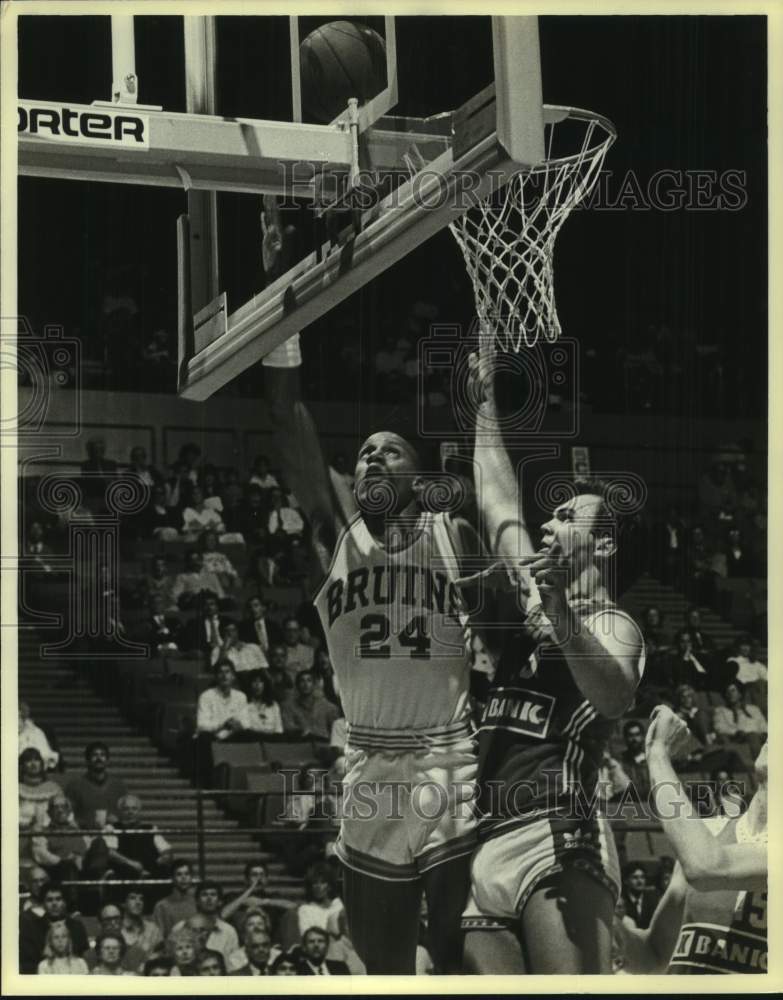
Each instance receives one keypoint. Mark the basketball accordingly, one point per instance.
(338, 61)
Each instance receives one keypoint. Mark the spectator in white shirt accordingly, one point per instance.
(217, 562)
(31, 735)
(263, 712)
(750, 669)
(212, 932)
(197, 517)
(299, 656)
(194, 581)
(282, 518)
(321, 899)
(245, 656)
(222, 710)
(261, 476)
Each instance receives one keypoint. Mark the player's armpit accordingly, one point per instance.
(728, 866)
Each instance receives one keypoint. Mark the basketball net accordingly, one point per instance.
(508, 239)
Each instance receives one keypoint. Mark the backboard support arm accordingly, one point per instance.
(200, 95)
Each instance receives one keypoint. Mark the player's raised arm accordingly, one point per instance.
(497, 489)
(707, 863)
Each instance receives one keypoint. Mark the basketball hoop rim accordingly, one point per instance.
(556, 113)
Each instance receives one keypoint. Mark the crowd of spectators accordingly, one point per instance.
(208, 551)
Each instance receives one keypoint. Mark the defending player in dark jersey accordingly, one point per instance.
(713, 916)
(545, 876)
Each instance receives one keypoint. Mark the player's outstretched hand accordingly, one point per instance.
(551, 572)
(669, 732)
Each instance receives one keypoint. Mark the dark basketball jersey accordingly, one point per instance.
(722, 931)
(540, 740)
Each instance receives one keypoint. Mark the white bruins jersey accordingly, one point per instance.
(397, 636)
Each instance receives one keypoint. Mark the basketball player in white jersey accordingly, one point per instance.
(713, 916)
(398, 641)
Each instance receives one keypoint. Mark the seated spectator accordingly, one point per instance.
(263, 712)
(746, 669)
(280, 680)
(254, 898)
(640, 900)
(160, 965)
(184, 948)
(195, 581)
(284, 965)
(59, 958)
(110, 951)
(181, 901)
(253, 958)
(701, 642)
(211, 963)
(36, 551)
(686, 668)
(130, 959)
(299, 655)
(218, 562)
(222, 709)
(294, 564)
(655, 637)
(257, 627)
(633, 759)
(307, 714)
(262, 569)
(62, 848)
(261, 475)
(740, 723)
(33, 929)
(738, 558)
(158, 519)
(33, 737)
(190, 457)
(177, 487)
(231, 492)
(198, 517)
(708, 751)
(283, 520)
(253, 519)
(37, 881)
(159, 630)
(702, 573)
(216, 934)
(321, 899)
(136, 855)
(727, 794)
(315, 944)
(95, 794)
(157, 582)
(36, 791)
(140, 467)
(205, 632)
(245, 656)
(716, 490)
(210, 485)
(136, 929)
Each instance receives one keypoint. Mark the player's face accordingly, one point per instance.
(386, 459)
(570, 532)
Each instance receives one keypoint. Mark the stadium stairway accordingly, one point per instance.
(61, 700)
(648, 591)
